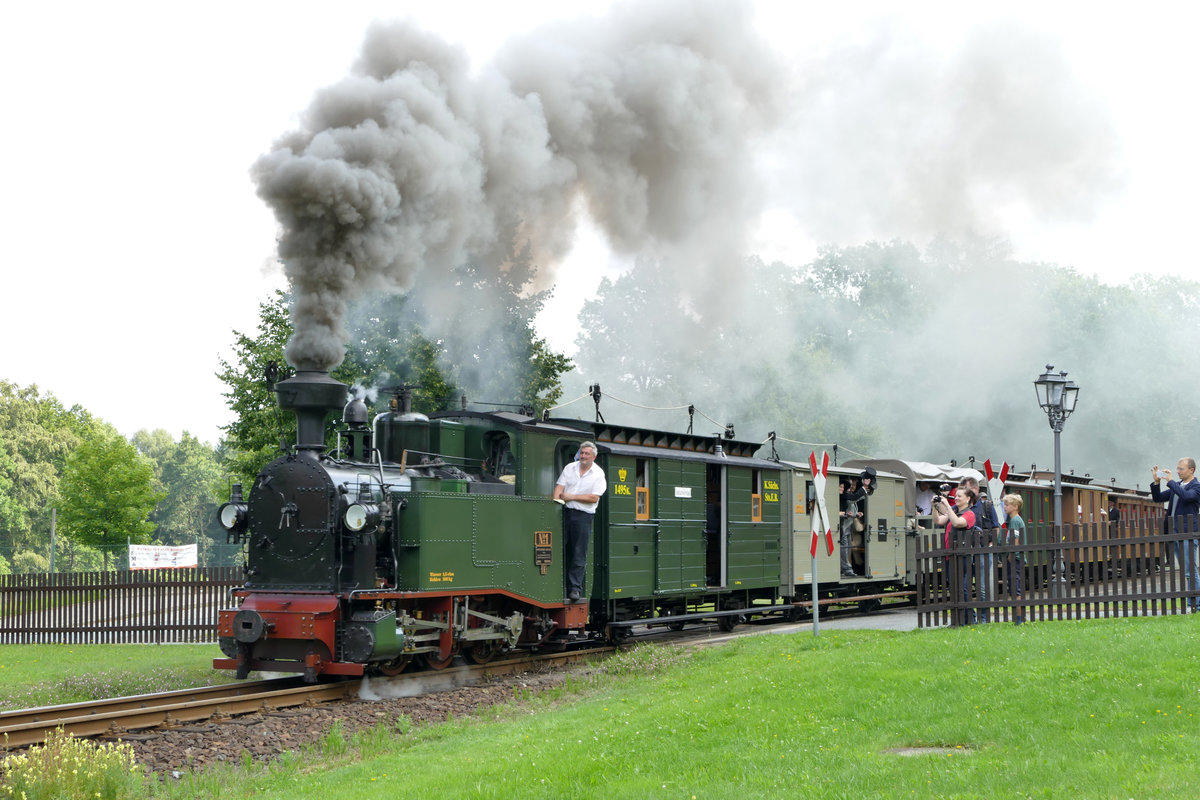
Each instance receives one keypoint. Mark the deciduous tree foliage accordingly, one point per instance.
(193, 484)
(931, 355)
(470, 334)
(108, 494)
(37, 433)
(253, 438)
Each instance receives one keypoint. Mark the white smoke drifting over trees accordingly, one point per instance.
(889, 351)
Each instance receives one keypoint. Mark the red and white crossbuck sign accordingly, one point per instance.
(995, 482)
(820, 518)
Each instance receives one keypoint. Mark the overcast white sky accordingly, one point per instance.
(134, 243)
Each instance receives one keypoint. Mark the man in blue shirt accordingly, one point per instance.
(1183, 496)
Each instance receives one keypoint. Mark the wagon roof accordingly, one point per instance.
(917, 470)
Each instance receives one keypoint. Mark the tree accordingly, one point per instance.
(37, 433)
(253, 438)
(469, 333)
(387, 348)
(189, 476)
(108, 494)
(491, 346)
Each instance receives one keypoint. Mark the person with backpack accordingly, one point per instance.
(960, 517)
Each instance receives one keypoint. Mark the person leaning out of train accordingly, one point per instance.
(847, 512)
(1183, 499)
(1013, 534)
(924, 502)
(866, 481)
(1113, 514)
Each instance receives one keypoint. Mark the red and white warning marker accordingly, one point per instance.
(995, 483)
(820, 520)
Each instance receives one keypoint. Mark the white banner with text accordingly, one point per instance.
(146, 556)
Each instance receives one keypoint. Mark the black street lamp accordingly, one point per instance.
(1057, 396)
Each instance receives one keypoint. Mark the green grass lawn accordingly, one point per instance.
(49, 674)
(1096, 709)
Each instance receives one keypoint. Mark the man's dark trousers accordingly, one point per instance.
(577, 530)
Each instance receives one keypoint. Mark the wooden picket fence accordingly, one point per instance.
(1085, 572)
(140, 606)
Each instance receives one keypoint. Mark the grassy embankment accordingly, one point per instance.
(49, 674)
(1107, 708)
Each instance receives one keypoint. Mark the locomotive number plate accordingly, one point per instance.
(542, 551)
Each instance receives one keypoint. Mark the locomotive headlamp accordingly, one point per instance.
(232, 515)
(361, 516)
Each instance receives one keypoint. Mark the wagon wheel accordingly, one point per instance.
(675, 626)
(432, 661)
(395, 666)
(794, 614)
(483, 652)
(730, 621)
(620, 634)
(867, 606)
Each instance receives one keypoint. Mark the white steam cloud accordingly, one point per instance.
(899, 137)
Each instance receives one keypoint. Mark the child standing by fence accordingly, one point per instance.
(1014, 534)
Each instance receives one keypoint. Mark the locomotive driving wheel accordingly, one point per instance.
(483, 652)
(434, 662)
(395, 666)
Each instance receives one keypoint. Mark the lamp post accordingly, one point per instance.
(1057, 395)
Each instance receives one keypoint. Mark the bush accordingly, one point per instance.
(66, 768)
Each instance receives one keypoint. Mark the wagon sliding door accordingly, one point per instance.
(680, 545)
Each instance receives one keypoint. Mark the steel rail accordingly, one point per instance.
(117, 716)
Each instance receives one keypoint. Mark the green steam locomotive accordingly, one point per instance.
(420, 539)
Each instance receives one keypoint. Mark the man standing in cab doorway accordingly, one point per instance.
(579, 487)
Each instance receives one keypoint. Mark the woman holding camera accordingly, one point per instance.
(959, 517)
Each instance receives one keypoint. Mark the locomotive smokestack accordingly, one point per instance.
(313, 395)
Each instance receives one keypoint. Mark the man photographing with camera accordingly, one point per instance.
(1183, 496)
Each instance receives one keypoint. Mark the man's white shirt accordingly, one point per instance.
(574, 483)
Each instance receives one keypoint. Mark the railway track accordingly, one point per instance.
(120, 716)
(117, 716)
